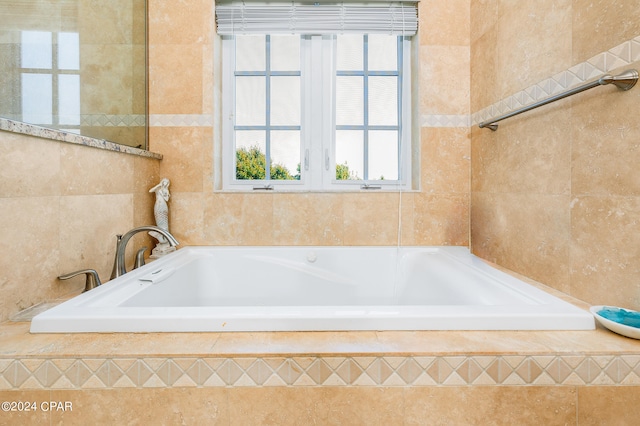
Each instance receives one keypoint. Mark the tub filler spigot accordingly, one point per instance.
(121, 245)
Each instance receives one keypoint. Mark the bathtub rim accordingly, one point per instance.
(378, 318)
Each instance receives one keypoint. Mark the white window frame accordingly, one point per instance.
(317, 134)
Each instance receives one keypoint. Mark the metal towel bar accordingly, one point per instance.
(624, 81)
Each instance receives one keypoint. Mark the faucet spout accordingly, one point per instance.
(121, 246)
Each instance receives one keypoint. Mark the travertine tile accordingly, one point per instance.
(482, 405)
(88, 171)
(28, 166)
(445, 161)
(605, 246)
(31, 252)
(239, 219)
(445, 24)
(441, 219)
(522, 62)
(608, 405)
(484, 16)
(484, 79)
(34, 415)
(144, 406)
(176, 22)
(308, 219)
(605, 150)
(183, 162)
(171, 92)
(371, 219)
(536, 227)
(186, 218)
(599, 25)
(444, 79)
(535, 151)
(79, 249)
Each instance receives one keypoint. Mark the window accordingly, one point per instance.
(326, 108)
(50, 79)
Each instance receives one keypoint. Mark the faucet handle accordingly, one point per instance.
(92, 279)
(139, 258)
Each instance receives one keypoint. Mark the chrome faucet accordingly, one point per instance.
(121, 246)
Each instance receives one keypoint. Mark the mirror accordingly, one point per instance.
(77, 66)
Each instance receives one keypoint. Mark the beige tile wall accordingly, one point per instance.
(556, 191)
(182, 47)
(61, 206)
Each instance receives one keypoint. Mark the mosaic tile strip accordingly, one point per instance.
(544, 370)
(620, 56)
(104, 120)
(180, 120)
(101, 120)
(196, 120)
(445, 120)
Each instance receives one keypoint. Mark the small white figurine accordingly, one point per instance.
(161, 213)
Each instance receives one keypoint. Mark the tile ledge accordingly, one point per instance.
(13, 126)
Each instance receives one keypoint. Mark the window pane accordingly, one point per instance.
(285, 53)
(349, 154)
(250, 53)
(250, 101)
(383, 155)
(383, 52)
(36, 48)
(285, 101)
(69, 99)
(69, 51)
(383, 101)
(37, 98)
(349, 101)
(350, 53)
(250, 154)
(285, 154)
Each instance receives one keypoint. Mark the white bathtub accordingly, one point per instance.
(313, 288)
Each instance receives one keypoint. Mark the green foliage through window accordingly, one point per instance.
(251, 165)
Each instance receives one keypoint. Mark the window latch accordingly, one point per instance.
(367, 186)
(263, 188)
(327, 160)
(306, 159)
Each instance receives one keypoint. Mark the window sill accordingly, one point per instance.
(316, 191)
(13, 126)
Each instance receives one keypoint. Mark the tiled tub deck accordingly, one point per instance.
(368, 378)
(421, 358)
(386, 378)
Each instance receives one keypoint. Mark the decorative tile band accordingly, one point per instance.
(100, 120)
(110, 120)
(435, 120)
(620, 56)
(197, 120)
(538, 370)
(180, 120)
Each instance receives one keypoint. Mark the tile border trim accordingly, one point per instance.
(313, 371)
(622, 55)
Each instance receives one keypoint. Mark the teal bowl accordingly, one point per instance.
(622, 321)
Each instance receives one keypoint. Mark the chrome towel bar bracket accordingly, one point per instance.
(623, 81)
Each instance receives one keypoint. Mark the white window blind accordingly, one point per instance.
(299, 17)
